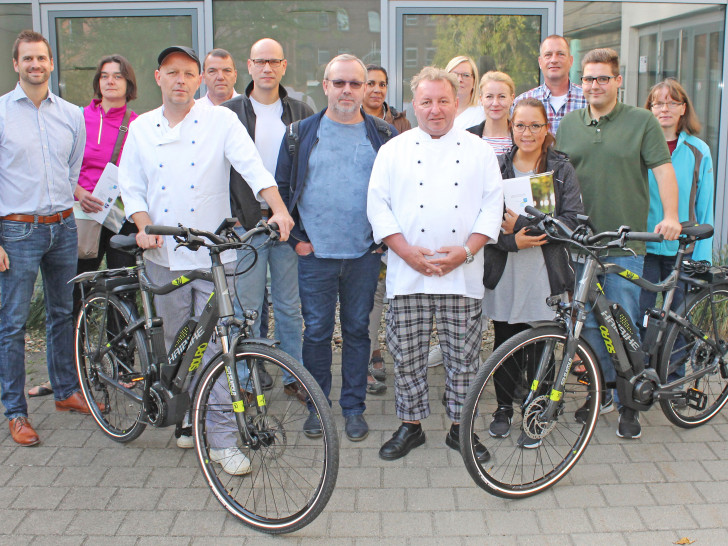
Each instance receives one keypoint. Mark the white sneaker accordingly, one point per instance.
(434, 358)
(232, 460)
(185, 441)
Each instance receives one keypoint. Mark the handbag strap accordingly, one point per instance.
(123, 129)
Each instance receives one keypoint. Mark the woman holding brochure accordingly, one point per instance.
(523, 269)
(114, 85)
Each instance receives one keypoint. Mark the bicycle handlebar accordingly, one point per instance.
(189, 233)
(586, 239)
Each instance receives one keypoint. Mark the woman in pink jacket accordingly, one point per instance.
(114, 86)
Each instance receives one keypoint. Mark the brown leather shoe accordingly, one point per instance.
(295, 390)
(75, 402)
(22, 432)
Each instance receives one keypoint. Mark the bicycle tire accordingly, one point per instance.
(513, 470)
(290, 480)
(121, 418)
(684, 353)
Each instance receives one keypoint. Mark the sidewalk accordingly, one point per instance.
(78, 487)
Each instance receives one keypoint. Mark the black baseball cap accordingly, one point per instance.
(182, 49)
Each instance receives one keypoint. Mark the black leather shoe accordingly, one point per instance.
(356, 428)
(407, 437)
(266, 381)
(453, 441)
(312, 426)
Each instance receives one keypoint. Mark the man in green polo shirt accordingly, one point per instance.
(612, 146)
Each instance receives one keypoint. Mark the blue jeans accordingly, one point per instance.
(627, 295)
(354, 282)
(52, 248)
(250, 289)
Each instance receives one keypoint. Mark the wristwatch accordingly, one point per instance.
(469, 258)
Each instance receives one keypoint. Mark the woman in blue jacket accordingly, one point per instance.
(693, 165)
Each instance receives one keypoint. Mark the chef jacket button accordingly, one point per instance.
(418, 161)
(453, 231)
(457, 161)
(422, 230)
(192, 210)
(193, 163)
(421, 184)
(193, 142)
(196, 122)
(163, 187)
(165, 210)
(157, 124)
(192, 186)
(422, 206)
(160, 165)
(456, 206)
(456, 183)
(458, 142)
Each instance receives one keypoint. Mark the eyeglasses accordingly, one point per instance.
(463, 75)
(601, 80)
(274, 63)
(341, 83)
(381, 85)
(671, 105)
(533, 128)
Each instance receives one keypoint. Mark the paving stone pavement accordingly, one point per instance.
(79, 487)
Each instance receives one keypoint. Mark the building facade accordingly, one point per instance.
(684, 39)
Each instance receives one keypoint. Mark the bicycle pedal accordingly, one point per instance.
(696, 399)
(583, 379)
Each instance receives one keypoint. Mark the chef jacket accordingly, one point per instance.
(435, 192)
(181, 174)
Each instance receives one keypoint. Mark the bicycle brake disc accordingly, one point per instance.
(533, 426)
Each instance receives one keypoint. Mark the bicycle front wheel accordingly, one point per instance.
(282, 480)
(685, 354)
(517, 381)
(100, 365)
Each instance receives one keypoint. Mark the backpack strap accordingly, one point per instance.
(292, 140)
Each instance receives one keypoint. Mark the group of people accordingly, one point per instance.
(344, 185)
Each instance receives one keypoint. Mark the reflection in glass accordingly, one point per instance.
(14, 17)
(508, 43)
(82, 41)
(311, 32)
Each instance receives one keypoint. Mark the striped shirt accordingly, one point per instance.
(574, 101)
(500, 145)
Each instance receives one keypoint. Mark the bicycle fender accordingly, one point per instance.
(259, 341)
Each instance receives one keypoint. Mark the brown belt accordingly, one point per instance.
(30, 218)
(266, 213)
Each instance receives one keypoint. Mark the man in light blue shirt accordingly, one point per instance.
(42, 138)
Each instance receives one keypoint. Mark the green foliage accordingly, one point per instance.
(720, 256)
(508, 43)
(36, 318)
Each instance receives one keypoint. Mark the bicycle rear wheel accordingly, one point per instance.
(100, 320)
(288, 478)
(685, 354)
(534, 454)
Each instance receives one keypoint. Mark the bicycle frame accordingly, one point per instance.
(167, 380)
(627, 353)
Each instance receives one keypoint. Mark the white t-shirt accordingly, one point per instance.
(558, 102)
(269, 131)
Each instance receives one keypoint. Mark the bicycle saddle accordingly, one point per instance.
(125, 243)
(697, 231)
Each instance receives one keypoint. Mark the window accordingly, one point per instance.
(14, 17)
(410, 57)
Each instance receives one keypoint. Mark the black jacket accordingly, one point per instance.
(243, 203)
(291, 177)
(477, 130)
(556, 255)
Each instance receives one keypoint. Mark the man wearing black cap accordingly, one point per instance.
(176, 169)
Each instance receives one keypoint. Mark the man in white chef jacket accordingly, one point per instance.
(176, 169)
(435, 199)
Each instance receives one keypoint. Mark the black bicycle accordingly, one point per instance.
(681, 364)
(249, 443)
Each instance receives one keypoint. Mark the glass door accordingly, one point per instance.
(81, 35)
(498, 36)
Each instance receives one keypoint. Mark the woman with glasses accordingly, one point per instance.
(469, 111)
(523, 269)
(693, 166)
(497, 93)
(114, 85)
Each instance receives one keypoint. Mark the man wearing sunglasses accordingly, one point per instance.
(324, 183)
(612, 145)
